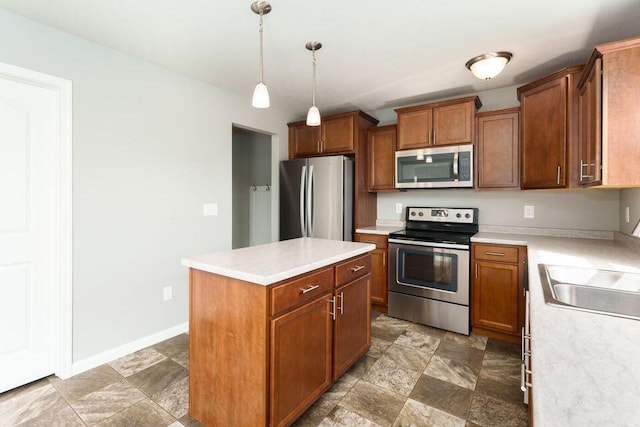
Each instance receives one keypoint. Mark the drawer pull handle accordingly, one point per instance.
(369, 241)
(332, 313)
(310, 288)
(494, 253)
(357, 268)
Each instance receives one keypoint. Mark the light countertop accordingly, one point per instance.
(384, 230)
(274, 262)
(585, 365)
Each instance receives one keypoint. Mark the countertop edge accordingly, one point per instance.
(382, 230)
(280, 276)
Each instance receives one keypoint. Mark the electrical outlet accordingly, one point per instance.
(626, 214)
(398, 207)
(529, 211)
(209, 209)
(167, 293)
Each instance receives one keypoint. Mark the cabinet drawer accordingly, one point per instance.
(499, 253)
(377, 239)
(352, 269)
(298, 291)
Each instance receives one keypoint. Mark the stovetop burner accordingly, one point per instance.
(433, 236)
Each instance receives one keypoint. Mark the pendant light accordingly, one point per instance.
(260, 93)
(313, 116)
(489, 65)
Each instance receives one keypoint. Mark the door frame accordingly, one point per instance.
(62, 234)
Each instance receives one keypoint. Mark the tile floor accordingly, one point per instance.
(413, 375)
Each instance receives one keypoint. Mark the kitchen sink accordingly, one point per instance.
(613, 293)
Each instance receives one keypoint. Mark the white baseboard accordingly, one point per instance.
(109, 355)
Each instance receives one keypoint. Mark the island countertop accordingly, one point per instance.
(273, 262)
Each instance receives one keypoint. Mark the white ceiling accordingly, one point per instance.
(375, 54)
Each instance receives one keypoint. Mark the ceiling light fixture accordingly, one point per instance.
(313, 116)
(489, 65)
(260, 93)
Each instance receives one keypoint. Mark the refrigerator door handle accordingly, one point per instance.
(303, 179)
(310, 203)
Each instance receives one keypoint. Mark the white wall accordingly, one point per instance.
(578, 210)
(631, 198)
(574, 209)
(149, 147)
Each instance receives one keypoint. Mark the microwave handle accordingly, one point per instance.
(455, 166)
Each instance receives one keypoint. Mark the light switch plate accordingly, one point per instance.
(626, 214)
(398, 207)
(209, 209)
(167, 293)
(529, 211)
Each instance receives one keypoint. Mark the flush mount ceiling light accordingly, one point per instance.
(489, 65)
(260, 93)
(313, 116)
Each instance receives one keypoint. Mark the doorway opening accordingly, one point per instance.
(252, 192)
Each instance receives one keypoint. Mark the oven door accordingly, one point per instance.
(430, 272)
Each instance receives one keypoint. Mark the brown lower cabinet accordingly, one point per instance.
(262, 355)
(497, 292)
(379, 270)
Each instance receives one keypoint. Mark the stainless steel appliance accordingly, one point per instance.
(438, 167)
(316, 198)
(429, 261)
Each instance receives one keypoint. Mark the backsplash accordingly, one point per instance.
(559, 209)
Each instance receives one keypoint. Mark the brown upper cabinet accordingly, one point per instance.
(381, 151)
(497, 148)
(549, 130)
(609, 128)
(439, 123)
(337, 134)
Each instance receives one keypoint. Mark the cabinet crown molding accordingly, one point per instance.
(444, 103)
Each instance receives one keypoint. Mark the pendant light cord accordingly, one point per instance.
(261, 51)
(313, 92)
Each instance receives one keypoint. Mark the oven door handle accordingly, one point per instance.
(429, 244)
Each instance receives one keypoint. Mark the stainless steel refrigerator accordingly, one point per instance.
(316, 198)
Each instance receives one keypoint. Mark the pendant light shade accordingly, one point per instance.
(261, 93)
(489, 65)
(260, 96)
(313, 116)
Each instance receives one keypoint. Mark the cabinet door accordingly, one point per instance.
(495, 296)
(381, 158)
(352, 327)
(414, 129)
(453, 124)
(300, 359)
(304, 141)
(379, 277)
(590, 128)
(497, 150)
(337, 135)
(544, 135)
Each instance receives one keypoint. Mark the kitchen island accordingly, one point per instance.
(272, 327)
(584, 364)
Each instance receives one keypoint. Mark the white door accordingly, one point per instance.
(27, 219)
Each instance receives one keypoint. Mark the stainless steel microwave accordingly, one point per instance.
(438, 167)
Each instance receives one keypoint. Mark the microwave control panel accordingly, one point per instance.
(464, 165)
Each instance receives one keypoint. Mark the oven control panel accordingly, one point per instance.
(460, 215)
